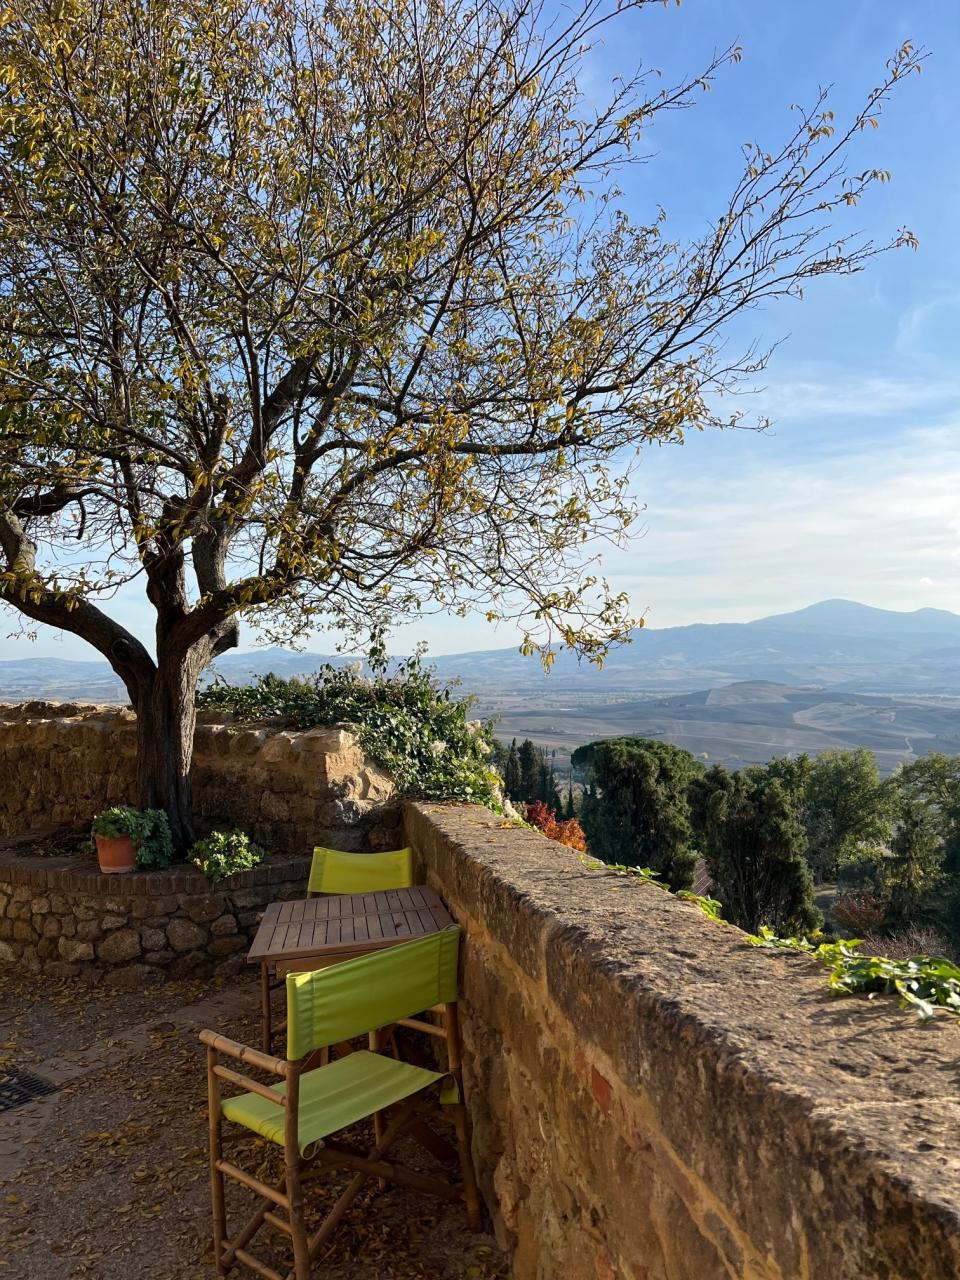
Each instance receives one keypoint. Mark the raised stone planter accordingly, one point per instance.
(61, 917)
(289, 790)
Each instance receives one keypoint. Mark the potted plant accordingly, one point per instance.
(127, 838)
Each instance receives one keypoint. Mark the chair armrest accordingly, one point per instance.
(234, 1049)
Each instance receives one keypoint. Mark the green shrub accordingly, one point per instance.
(406, 721)
(147, 828)
(222, 853)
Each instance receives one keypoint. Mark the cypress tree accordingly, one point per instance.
(511, 773)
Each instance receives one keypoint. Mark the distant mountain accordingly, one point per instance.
(836, 644)
(58, 680)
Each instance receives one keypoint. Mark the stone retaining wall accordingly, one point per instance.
(289, 790)
(70, 921)
(654, 1100)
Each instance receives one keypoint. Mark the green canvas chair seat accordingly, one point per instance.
(333, 1097)
(333, 871)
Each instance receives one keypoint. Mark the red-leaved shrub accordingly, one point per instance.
(567, 831)
(859, 913)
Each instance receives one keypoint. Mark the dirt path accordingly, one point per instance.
(107, 1177)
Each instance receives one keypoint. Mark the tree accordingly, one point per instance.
(311, 313)
(921, 875)
(547, 790)
(753, 842)
(530, 762)
(569, 810)
(641, 816)
(913, 868)
(846, 811)
(932, 784)
(511, 773)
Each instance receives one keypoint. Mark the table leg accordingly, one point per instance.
(265, 1006)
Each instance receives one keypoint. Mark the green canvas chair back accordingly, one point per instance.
(335, 872)
(346, 1000)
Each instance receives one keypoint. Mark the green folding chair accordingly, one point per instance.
(305, 1112)
(333, 871)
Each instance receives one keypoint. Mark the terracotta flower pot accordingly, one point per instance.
(117, 854)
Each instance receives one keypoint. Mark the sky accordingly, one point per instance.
(855, 491)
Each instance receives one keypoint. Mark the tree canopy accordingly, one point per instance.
(638, 814)
(326, 312)
(754, 843)
(847, 811)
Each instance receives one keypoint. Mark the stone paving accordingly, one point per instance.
(106, 1177)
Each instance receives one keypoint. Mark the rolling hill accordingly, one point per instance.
(836, 673)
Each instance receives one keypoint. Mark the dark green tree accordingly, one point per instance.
(913, 870)
(530, 762)
(754, 841)
(922, 875)
(569, 810)
(639, 814)
(548, 790)
(511, 772)
(847, 811)
(932, 783)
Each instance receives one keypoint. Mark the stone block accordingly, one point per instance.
(278, 749)
(153, 939)
(226, 946)
(248, 742)
(74, 950)
(223, 925)
(119, 946)
(204, 909)
(112, 921)
(89, 930)
(185, 935)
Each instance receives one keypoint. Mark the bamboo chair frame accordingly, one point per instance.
(405, 1117)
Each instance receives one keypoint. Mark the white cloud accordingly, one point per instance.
(781, 526)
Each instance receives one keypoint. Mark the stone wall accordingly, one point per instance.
(655, 1100)
(65, 919)
(289, 790)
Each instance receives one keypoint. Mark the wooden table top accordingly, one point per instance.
(346, 923)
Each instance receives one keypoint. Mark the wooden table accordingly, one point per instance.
(311, 933)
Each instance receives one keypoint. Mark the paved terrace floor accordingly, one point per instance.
(106, 1178)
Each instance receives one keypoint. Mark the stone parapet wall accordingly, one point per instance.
(289, 790)
(69, 921)
(653, 1099)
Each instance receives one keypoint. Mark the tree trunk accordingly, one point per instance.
(166, 717)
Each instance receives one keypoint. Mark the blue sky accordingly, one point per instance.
(856, 490)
